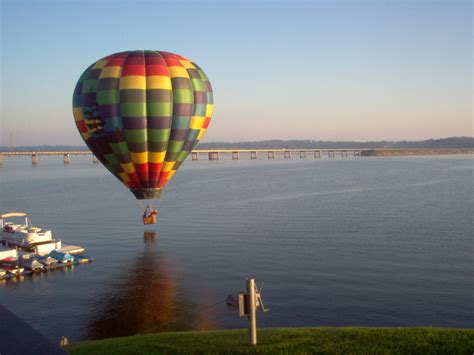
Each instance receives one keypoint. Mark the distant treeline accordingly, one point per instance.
(452, 142)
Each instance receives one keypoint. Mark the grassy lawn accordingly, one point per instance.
(350, 340)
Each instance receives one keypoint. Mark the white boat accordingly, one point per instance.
(47, 261)
(16, 271)
(31, 264)
(24, 235)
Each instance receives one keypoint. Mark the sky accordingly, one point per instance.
(323, 70)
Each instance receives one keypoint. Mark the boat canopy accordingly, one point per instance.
(13, 214)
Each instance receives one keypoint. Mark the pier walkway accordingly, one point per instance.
(19, 338)
(211, 154)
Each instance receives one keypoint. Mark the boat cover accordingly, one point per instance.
(61, 256)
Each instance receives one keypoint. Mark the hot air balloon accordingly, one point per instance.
(141, 113)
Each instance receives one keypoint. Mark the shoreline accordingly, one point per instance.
(361, 340)
(390, 152)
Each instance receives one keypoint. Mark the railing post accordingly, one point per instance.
(252, 311)
(271, 154)
(194, 156)
(303, 154)
(1, 159)
(34, 159)
(317, 154)
(66, 159)
(235, 155)
(253, 155)
(287, 154)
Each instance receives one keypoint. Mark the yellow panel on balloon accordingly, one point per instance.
(187, 64)
(78, 114)
(203, 131)
(167, 166)
(178, 72)
(156, 157)
(110, 72)
(132, 82)
(100, 64)
(158, 82)
(124, 177)
(128, 168)
(196, 122)
(139, 158)
(209, 109)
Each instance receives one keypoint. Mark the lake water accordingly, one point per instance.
(345, 241)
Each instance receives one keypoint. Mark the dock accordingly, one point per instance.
(71, 249)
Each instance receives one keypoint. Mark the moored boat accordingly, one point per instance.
(81, 259)
(64, 258)
(32, 264)
(15, 272)
(47, 261)
(25, 236)
(21, 234)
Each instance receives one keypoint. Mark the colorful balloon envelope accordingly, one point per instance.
(141, 113)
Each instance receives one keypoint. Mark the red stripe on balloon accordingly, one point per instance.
(133, 70)
(206, 122)
(172, 62)
(81, 126)
(157, 70)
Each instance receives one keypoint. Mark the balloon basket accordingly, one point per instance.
(149, 220)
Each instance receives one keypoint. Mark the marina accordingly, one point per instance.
(26, 249)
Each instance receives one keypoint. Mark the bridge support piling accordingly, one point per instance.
(34, 159)
(317, 154)
(331, 154)
(271, 154)
(302, 154)
(213, 155)
(235, 155)
(194, 156)
(253, 155)
(1, 159)
(287, 154)
(94, 159)
(66, 159)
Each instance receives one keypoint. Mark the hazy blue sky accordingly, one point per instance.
(331, 70)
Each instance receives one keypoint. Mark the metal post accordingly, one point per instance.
(252, 311)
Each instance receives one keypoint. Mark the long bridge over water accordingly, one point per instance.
(211, 154)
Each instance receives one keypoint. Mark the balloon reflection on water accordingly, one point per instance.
(147, 298)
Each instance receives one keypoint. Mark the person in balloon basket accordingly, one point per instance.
(149, 216)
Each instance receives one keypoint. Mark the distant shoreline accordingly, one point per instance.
(414, 152)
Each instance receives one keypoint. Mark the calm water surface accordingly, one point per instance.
(354, 241)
